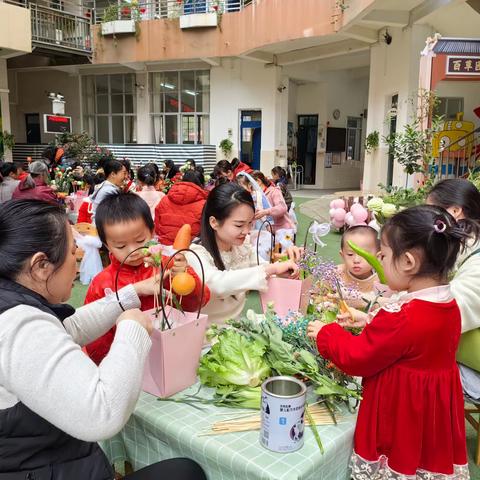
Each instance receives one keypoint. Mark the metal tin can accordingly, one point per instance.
(282, 417)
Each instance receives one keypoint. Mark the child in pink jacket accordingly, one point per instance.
(278, 210)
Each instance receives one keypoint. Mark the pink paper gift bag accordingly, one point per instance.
(286, 294)
(172, 363)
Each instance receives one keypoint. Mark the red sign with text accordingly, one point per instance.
(57, 124)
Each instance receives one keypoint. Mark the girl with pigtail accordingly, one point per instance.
(411, 420)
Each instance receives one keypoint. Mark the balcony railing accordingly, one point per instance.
(171, 8)
(59, 24)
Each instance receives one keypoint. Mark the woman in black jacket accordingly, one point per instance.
(55, 403)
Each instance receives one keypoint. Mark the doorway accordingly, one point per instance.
(307, 146)
(392, 131)
(251, 137)
(32, 127)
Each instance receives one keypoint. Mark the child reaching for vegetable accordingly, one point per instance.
(229, 260)
(410, 423)
(124, 223)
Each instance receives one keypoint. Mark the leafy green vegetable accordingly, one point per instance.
(225, 396)
(286, 360)
(311, 421)
(244, 397)
(234, 360)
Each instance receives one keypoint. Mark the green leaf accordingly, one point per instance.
(234, 360)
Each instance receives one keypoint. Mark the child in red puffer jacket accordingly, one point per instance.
(124, 223)
(183, 204)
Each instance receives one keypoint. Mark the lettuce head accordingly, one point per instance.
(234, 360)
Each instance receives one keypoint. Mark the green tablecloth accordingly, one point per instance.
(160, 430)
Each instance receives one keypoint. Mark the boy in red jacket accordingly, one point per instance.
(124, 223)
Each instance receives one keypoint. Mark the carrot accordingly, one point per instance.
(343, 307)
(183, 238)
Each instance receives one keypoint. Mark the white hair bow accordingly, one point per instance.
(318, 230)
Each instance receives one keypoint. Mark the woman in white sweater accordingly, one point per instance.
(230, 262)
(462, 200)
(55, 403)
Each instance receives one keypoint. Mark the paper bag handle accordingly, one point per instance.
(273, 240)
(162, 304)
(118, 273)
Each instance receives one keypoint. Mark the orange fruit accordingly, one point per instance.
(183, 284)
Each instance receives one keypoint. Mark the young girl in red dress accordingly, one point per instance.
(411, 421)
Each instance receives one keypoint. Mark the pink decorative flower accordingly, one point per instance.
(155, 249)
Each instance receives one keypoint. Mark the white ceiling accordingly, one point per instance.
(455, 20)
(301, 43)
(312, 71)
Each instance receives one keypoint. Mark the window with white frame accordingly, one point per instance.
(180, 106)
(354, 138)
(109, 108)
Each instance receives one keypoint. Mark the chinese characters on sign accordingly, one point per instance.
(461, 65)
(57, 124)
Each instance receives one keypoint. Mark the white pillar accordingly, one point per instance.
(281, 119)
(4, 103)
(144, 124)
(394, 69)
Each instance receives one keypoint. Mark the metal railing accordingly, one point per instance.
(170, 8)
(51, 27)
(460, 157)
(63, 25)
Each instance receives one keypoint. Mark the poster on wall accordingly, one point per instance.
(328, 160)
(337, 158)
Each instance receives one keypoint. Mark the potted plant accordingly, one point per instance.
(200, 16)
(7, 141)
(82, 148)
(412, 147)
(122, 18)
(226, 147)
(372, 141)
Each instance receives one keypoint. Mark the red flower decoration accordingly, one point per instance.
(215, 7)
(143, 10)
(125, 10)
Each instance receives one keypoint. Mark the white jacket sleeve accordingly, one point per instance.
(93, 320)
(46, 370)
(223, 283)
(466, 291)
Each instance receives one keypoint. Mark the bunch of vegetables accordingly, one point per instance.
(183, 283)
(250, 350)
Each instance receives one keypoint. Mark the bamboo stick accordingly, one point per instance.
(318, 412)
